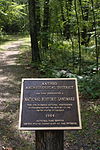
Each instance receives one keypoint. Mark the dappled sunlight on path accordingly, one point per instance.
(11, 74)
(11, 45)
(9, 71)
(10, 53)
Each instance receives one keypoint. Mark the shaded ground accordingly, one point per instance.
(11, 73)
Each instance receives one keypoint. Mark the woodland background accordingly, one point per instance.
(60, 39)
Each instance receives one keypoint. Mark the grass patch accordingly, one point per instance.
(88, 137)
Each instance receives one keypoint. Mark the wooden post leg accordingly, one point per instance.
(49, 140)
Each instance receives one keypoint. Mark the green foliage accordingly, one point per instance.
(87, 138)
(88, 84)
(90, 87)
(12, 16)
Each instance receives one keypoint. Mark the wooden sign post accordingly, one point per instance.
(50, 140)
(49, 106)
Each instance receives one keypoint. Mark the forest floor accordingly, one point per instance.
(11, 74)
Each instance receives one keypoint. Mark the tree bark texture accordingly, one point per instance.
(85, 16)
(96, 41)
(45, 37)
(49, 140)
(33, 30)
(66, 26)
(38, 17)
(79, 37)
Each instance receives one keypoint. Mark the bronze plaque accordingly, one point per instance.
(49, 104)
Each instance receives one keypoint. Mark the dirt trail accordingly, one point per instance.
(9, 55)
(8, 71)
(11, 73)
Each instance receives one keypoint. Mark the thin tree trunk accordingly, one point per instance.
(96, 41)
(45, 37)
(85, 13)
(66, 26)
(79, 38)
(63, 18)
(68, 6)
(33, 31)
(38, 17)
(73, 54)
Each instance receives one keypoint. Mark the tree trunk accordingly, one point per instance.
(79, 38)
(63, 18)
(38, 17)
(73, 53)
(85, 15)
(68, 6)
(33, 31)
(49, 140)
(45, 25)
(66, 26)
(96, 41)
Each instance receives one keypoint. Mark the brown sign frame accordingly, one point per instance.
(49, 128)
